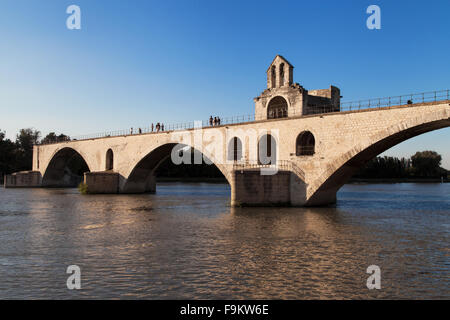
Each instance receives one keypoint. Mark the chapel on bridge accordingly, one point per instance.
(284, 98)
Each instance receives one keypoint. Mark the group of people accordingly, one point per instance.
(214, 121)
(158, 127)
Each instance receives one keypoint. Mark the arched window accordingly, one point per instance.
(235, 149)
(274, 77)
(277, 108)
(267, 150)
(281, 74)
(109, 160)
(305, 144)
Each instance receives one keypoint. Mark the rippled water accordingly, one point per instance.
(186, 242)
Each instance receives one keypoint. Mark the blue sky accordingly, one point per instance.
(137, 62)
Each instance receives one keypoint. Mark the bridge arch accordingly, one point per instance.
(142, 176)
(58, 173)
(342, 168)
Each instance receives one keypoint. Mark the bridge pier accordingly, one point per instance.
(102, 182)
(147, 185)
(254, 188)
(23, 179)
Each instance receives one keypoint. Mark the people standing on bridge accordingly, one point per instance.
(158, 126)
(218, 121)
(210, 121)
(140, 131)
(162, 127)
(215, 121)
(131, 130)
(152, 126)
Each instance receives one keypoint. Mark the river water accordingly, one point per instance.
(186, 242)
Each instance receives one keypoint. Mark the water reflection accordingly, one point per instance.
(186, 242)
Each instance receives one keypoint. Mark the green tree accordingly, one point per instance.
(8, 155)
(53, 138)
(25, 141)
(427, 164)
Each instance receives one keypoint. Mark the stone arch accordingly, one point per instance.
(281, 74)
(141, 178)
(273, 76)
(234, 151)
(109, 163)
(267, 149)
(305, 144)
(339, 170)
(277, 108)
(57, 173)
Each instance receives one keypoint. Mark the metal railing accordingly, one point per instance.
(284, 165)
(305, 150)
(415, 98)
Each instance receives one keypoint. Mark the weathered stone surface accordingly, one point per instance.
(24, 179)
(102, 182)
(252, 188)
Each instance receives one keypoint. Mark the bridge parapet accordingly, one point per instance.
(281, 165)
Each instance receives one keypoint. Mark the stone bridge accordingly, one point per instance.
(299, 150)
(298, 173)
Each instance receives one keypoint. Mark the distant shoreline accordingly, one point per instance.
(397, 180)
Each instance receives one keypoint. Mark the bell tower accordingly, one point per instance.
(283, 98)
(280, 73)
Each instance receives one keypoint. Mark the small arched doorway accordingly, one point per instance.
(109, 160)
(235, 149)
(305, 144)
(277, 108)
(267, 150)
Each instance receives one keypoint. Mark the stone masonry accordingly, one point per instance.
(342, 143)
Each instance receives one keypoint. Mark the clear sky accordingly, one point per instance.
(137, 62)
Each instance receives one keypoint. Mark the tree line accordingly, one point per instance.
(18, 156)
(422, 165)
